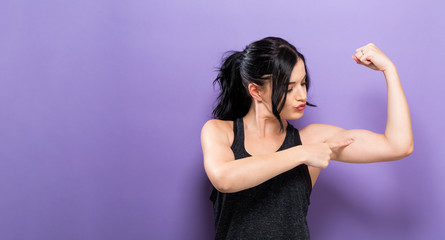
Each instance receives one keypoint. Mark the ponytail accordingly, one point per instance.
(267, 60)
(233, 101)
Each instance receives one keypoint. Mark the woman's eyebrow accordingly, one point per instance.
(300, 80)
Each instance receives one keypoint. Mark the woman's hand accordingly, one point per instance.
(318, 155)
(372, 57)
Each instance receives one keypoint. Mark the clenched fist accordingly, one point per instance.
(371, 56)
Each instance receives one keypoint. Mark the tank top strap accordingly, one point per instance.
(295, 135)
(237, 130)
(238, 139)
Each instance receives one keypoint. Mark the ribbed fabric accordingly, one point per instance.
(275, 209)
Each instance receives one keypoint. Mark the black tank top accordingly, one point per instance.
(275, 209)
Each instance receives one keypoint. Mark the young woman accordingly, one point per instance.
(261, 167)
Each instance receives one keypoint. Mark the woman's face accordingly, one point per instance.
(296, 93)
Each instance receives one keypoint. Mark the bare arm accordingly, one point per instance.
(398, 130)
(230, 175)
(397, 141)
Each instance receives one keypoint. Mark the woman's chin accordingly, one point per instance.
(293, 116)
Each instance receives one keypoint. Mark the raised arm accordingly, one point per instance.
(230, 175)
(397, 141)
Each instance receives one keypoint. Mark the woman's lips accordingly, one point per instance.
(301, 107)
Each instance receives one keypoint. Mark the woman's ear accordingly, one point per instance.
(254, 91)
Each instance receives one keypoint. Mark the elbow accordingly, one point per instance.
(222, 187)
(405, 152)
(221, 182)
(410, 150)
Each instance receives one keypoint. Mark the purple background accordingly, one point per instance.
(102, 104)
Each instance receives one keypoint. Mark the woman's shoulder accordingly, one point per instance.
(218, 124)
(215, 128)
(317, 132)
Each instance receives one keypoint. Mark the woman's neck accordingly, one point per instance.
(262, 122)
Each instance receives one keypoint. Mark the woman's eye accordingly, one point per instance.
(303, 84)
(290, 90)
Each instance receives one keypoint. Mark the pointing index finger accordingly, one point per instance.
(340, 144)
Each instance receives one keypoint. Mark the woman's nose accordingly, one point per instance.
(301, 94)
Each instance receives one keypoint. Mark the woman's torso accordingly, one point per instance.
(274, 209)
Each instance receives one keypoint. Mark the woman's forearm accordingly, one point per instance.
(249, 172)
(398, 124)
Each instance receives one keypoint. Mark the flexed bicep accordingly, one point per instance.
(367, 147)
